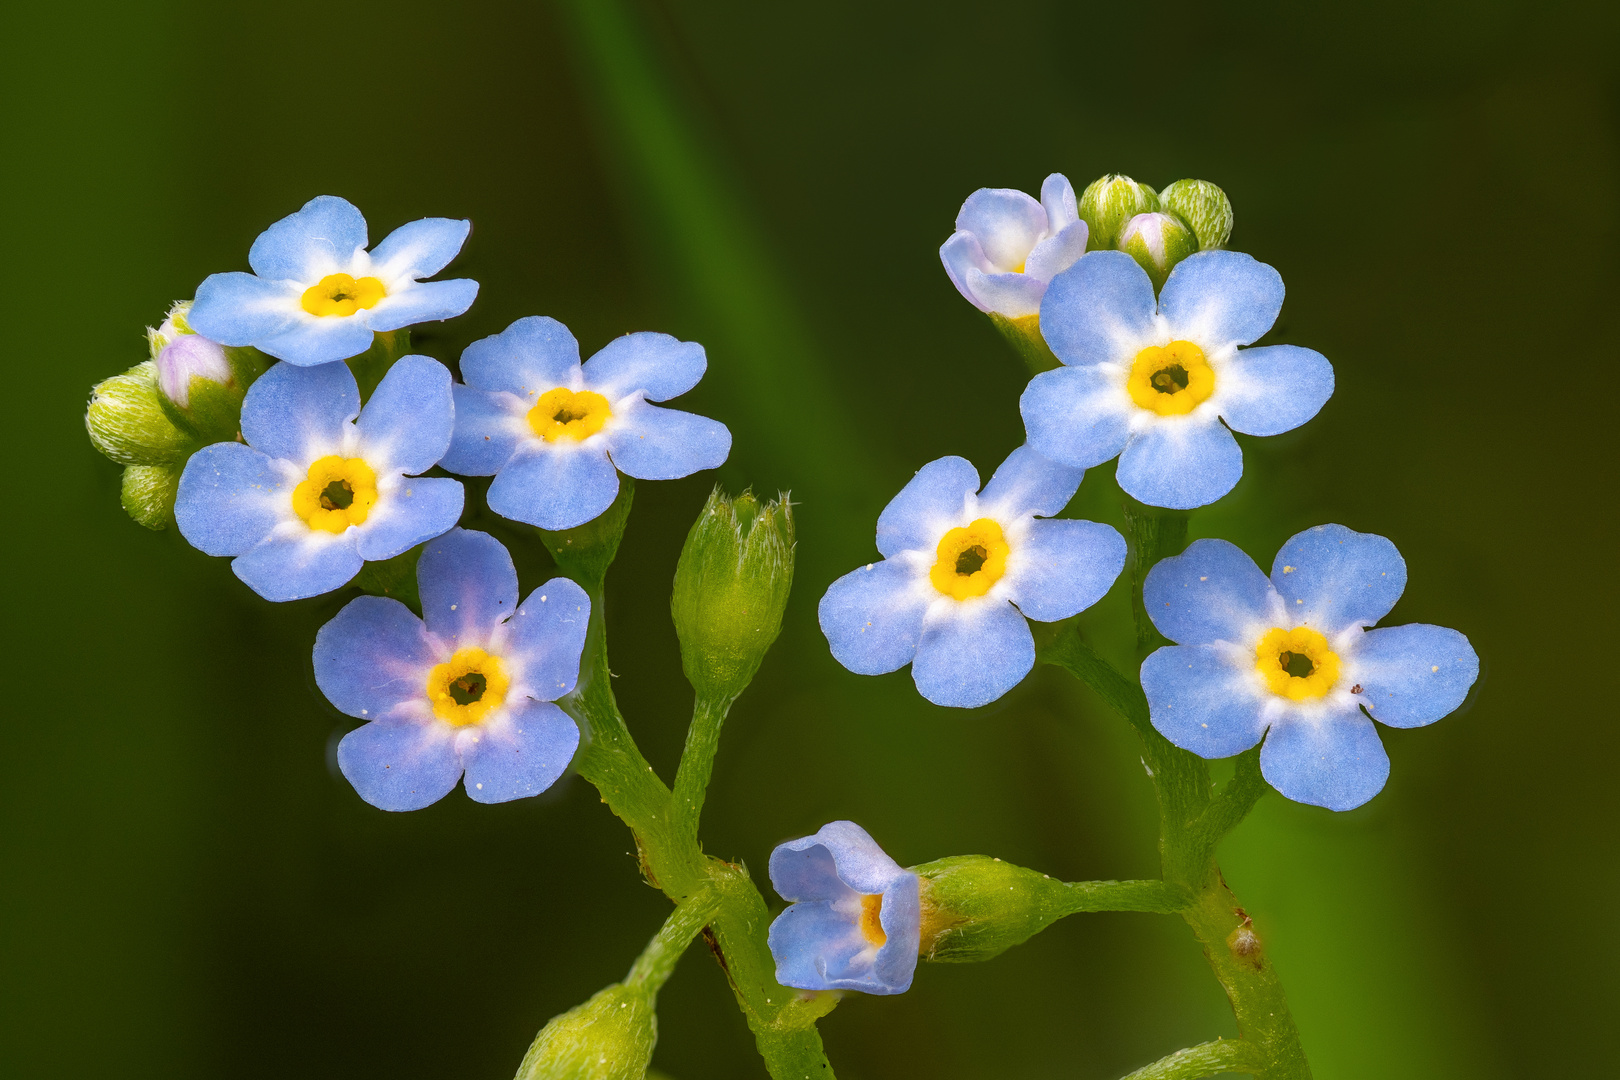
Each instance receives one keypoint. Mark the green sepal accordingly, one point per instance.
(148, 494)
(1204, 207)
(1108, 203)
(127, 421)
(370, 366)
(1024, 335)
(586, 551)
(395, 578)
(213, 411)
(1157, 241)
(610, 1037)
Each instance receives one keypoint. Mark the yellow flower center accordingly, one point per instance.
(871, 925)
(971, 559)
(338, 492)
(569, 414)
(467, 687)
(1296, 664)
(1173, 380)
(340, 294)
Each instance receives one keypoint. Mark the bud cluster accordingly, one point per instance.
(1157, 229)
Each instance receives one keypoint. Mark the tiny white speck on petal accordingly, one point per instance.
(1288, 569)
(480, 787)
(452, 607)
(1435, 668)
(1203, 578)
(542, 599)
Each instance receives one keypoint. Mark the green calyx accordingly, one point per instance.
(585, 552)
(1108, 203)
(1204, 207)
(1024, 334)
(1157, 241)
(148, 494)
(610, 1037)
(128, 423)
(731, 586)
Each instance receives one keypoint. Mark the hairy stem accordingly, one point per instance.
(657, 961)
(1205, 1059)
(697, 763)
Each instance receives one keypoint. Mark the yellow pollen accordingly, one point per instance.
(1171, 381)
(1296, 664)
(971, 559)
(871, 926)
(340, 294)
(569, 414)
(338, 492)
(466, 687)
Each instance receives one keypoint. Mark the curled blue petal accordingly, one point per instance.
(1220, 298)
(418, 509)
(372, 658)
(419, 249)
(231, 497)
(488, 428)
(529, 357)
(547, 637)
(313, 340)
(1016, 296)
(650, 443)
(872, 617)
(1334, 760)
(407, 421)
(400, 764)
(1076, 415)
(1413, 675)
(426, 301)
(1210, 592)
(1059, 202)
(1062, 567)
(973, 654)
(1006, 222)
(298, 413)
(239, 309)
(520, 756)
(661, 365)
(555, 487)
(1273, 389)
(1332, 577)
(1100, 310)
(838, 858)
(930, 503)
(1180, 465)
(320, 239)
(299, 564)
(468, 584)
(960, 254)
(1029, 483)
(1058, 252)
(1201, 701)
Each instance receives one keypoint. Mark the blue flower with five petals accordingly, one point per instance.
(1152, 381)
(322, 486)
(466, 690)
(962, 570)
(855, 921)
(1007, 246)
(1290, 660)
(555, 434)
(316, 294)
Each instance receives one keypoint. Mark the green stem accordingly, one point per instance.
(657, 961)
(697, 763)
(1205, 1059)
(1158, 897)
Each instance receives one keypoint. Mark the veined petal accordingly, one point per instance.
(426, 301)
(1180, 464)
(521, 755)
(313, 340)
(1210, 592)
(547, 637)
(817, 947)
(1063, 567)
(1413, 675)
(418, 509)
(930, 504)
(407, 422)
(960, 254)
(529, 357)
(1007, 223)
(650, 443)
(1077, 415)
(240, 309)
(658, 364)
(320, 239)
(1334, 760)
(373, 657)
(1059, 202)
(1029, 483)
(489, 425)
(872, 617)
(300, 413)
(1201, 702)
(1220, 298)
(295, 565)
(838, 859)
(974, 655)
(419, 249)
(1057, 253)
(1100, 310)
(400, 764)
(1273, 389)
(1014, 295)
(1332, 577)
(555, 488)
(231, 497)
(468, 584)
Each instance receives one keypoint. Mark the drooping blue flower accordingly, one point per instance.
(315, 493)
(555, 434)
(1152, 381)
(316, 294)
(855, 921)
(466, 689)
(1290, 660)
(1007, 246)
(963, 570)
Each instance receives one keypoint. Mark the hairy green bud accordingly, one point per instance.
(1108, 203)
(127, 421)
(610, 1037)
(1157, 241)
(1204, 207)
(975, 907)
(148, 494)
(731, 587)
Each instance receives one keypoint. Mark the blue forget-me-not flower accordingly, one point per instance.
(962, 570)
(551, 430)
(855, 922)
(322, 486)
(1007, 246)
(316, 294)
(1291, 659)
(466, 689)
(1152, 381)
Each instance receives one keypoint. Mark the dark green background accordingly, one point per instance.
(188, 889)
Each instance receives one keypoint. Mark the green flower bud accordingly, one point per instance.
(610, 1037)
(148, 494)
(975, 907)
(127, 421)
(731, 586)
(1157, 241)
(1204, 207)
(1107, 204)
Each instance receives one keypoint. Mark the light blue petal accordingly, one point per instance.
(231, 496)
(555, 488)
(661, 365)
(839, 857)
(1063, 567)
(1335, 761)
(971, 658)
(1201, 702)
(819, 948)
(960, 254)
(300, 413)
(1275, 388)
(1332, 577)
(407, 420)
(421, 508)
(1220, 298)
(1016, 296)
(420, 249)
(240, 309)
(373, 657)
(930, 504)
(426, 301)
(487, 432)
(1076, 415)
(1028, 483)
(1006, 222)
(650, 443)
(901, 919)
(400, 765)
(468, 584)
(1057, 253)
(1059, 202)
(1413, 675)
(1180, 465)
(547, 636)
(527, 358)
(1211, 592)
(1100, 310)
(872, 617)
(311, 340)
(296, 567)
(521, 756)
(320, 239)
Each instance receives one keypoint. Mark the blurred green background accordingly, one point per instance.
(188, 889)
